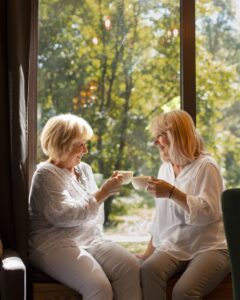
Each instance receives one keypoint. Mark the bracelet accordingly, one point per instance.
(171, 192)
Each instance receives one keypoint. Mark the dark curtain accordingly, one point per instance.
(18, 57)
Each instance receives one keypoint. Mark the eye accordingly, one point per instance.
(162, 134)
(78, 145)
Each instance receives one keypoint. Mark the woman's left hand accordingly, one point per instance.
(159, 188)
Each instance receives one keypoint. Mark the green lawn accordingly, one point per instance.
(131, 217)
(135, 248)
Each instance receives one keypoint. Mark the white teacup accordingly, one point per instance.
(140, 182)
(127, 176)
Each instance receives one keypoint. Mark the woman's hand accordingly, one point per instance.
(162, 189)
(110, 187)
(142, 256)
(159, 188)
(148, 251)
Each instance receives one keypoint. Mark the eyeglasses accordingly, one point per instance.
(80, 144)
(162, 134)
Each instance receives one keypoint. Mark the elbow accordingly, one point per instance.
(203, 218)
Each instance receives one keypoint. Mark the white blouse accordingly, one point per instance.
(182, 234)
(63, 211)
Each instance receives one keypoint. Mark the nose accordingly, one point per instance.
(156, 142)
(84, 148)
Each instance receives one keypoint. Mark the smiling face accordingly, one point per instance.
(162, 142)
(78, 150)
(176, 136)
(63, 140)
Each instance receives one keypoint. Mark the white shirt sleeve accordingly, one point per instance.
(63, 202)
(173, 227)
(93, 187)
(204, 206)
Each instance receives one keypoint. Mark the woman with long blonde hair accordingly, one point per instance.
(187, 234)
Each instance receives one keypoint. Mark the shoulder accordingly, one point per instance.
(165, 166)
(206, 164)
(45, 167)
(46, 171)
(86, 169)
(205, 160)
(165, 169)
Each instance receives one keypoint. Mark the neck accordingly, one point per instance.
(177, 169)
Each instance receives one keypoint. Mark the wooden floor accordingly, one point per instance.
(57, 291)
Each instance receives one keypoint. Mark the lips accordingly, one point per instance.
(161, 148)
(163, 151)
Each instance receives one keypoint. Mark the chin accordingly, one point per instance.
(164, 157)
(78, 160)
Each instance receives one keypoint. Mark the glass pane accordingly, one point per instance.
(218, 82)
(116, 64)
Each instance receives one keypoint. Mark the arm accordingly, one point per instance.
(110, 186)
(63, 204)
(204, 202)
(162, 189)
(201, 201)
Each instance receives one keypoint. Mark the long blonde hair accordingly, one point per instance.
(185, 142)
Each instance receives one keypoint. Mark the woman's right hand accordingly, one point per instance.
(110, 187)
(148, 251)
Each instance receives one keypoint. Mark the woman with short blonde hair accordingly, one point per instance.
(66, 217)
(60, 132)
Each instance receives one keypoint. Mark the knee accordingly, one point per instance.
(182, 292)
(134, 265)
(99, 289)
(177, 293)
(104, 291)
(130, 266)
(146, 270)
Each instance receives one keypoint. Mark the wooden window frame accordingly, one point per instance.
(188, 57)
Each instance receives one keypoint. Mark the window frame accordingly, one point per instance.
(188, 57)
(187, 75)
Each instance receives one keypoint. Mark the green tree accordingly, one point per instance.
(113, 63)
(218, 92)
(117, 63)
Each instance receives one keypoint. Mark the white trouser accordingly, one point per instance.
(103, 272)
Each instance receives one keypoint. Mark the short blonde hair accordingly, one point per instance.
(61, 132)
(185, 142)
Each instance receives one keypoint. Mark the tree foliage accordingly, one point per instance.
(218, 93)
(116, 63)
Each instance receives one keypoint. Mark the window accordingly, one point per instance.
(115, 63)
(218, 83)
(118, 63)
